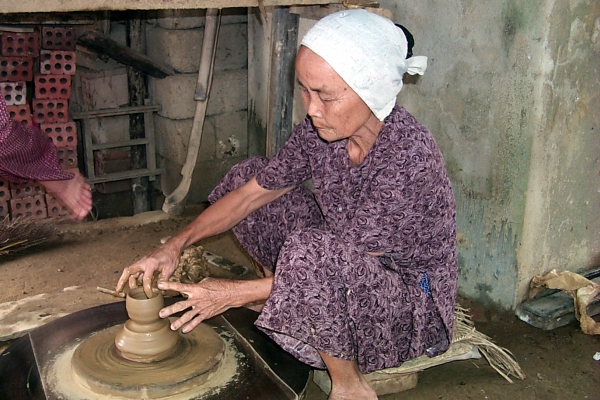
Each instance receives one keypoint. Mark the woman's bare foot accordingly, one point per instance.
(75, 194)
(347, 382)
(361, 391)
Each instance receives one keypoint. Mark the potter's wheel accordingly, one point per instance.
(96, 364)
(30, 367)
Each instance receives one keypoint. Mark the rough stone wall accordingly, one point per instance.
(176, 37)
(511, 95)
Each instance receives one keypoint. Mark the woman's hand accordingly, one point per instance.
(205, 299)
(163, 260)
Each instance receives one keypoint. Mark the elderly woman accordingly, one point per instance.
(361, 271)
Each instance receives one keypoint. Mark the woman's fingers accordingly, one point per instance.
(204, 300)
(163, 261)
(185, 318)
(129, 278)
(191, 325)
(147, 282)
(133, 281)
(174, 308)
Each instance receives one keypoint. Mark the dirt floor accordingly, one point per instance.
(559, 364)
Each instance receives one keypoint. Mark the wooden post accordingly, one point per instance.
(136, 40)
(281, 88)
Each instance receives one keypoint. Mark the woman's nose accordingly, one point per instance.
(313, 106)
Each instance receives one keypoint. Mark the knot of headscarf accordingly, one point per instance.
(368, 52)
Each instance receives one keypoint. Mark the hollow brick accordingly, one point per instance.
(67, 157)
(28, 207)
(58, 38)
(15, 69)
(14, 93)
(3, 209)
(57, 62)
(20, 113)
(4, 190)
(54, 208)
(20, 44)
(50, 110)
(63, 134)
(28, 189)
(52, 86)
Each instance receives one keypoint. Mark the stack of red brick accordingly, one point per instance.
(35, 80)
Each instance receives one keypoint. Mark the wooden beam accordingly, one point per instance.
(37, 18)
(114, 112)
(138, 92)
(316, 12)
(50, 6)
(101, 44)
(281, 90)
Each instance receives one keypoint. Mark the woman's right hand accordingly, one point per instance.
(163, 261)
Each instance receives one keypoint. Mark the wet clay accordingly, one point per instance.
(144, 356)
(98, 366)
(145, 337)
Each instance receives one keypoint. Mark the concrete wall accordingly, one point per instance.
(176, 37)
(512, 96)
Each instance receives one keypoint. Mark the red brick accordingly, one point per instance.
(28, 207)
(55, 38)
(52, 86)
(56, 62)
(50, 111)
(14, 93)
(62, 133)
(22, 190)
(3, 209)
(55, 209)
(15, 69)
(4, 190)
(67, 156)
(20, 44)
(20, 113)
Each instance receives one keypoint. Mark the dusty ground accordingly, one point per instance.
(558, 364)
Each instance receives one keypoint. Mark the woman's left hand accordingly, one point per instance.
(206, 299)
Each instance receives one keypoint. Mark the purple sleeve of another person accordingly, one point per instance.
(26, 153)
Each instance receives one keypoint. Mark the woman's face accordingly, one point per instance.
(336, 111)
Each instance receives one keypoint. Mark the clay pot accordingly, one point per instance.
(145, 337)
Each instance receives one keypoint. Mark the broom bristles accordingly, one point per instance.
(499, 358)
(20, 234)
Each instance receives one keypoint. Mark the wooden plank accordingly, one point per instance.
(281, 90)
(50, 6)
(138, 92)
(119, 176)
(116, 145)
(316, 12)
(88, 149)
(104, 45)
(150, 147)
(259, 65)
(113, 112)
(37, 18)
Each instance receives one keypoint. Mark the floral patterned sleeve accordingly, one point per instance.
(290, 166)
(26, 153)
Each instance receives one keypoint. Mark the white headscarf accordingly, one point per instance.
(369, 53)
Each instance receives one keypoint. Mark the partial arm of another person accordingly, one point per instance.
(210, 296)
(27, 154)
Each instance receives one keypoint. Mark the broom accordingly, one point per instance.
(20, 234)
(499, 358)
